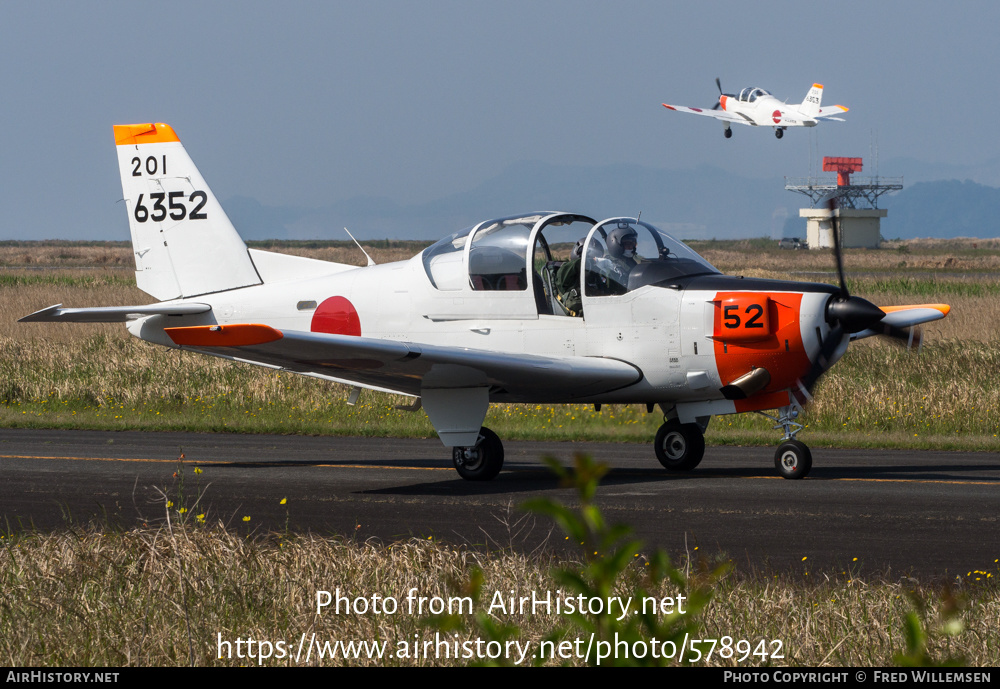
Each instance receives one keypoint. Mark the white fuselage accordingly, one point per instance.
(669, 334)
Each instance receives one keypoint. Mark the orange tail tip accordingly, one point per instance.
(943, 308)
(236, 335)
(149, 133)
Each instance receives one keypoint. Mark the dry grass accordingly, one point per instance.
(163, 596)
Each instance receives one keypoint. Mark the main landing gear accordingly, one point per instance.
(779, 132)
(679, 446)
(483, 461)
(728, 133)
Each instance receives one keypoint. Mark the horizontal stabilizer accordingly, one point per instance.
(829, 113)
(112, 314)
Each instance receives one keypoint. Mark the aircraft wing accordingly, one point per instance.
(708, 112)
(408, 367)
(905, 317)
(113, 314)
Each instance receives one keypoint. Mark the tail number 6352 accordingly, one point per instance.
(173, 204)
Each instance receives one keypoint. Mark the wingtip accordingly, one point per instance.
(40, 315)
(945, 309)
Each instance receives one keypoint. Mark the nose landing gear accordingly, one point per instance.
(792, 458)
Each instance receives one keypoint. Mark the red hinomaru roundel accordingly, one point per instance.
(336, 316)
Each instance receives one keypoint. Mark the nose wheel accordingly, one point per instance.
(793, 459)
(481, 462)
(679, 446)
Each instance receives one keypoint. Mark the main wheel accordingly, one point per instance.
(793, 459)
(679, 446)
(481, 462)
(779, 132)
(728, 133)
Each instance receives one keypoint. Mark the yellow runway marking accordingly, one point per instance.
(211, 463)
(891, 480)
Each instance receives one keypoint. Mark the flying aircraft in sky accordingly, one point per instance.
(540, 307)
(758, 108)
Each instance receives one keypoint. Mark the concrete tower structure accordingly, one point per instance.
(858, 211)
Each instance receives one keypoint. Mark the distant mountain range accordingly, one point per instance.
(702, 203)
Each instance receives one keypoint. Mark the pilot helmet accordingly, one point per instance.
(594, 251)
(622, 242)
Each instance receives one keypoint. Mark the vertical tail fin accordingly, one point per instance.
(810, 106)
(183, 242)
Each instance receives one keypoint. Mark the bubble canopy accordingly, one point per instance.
(512, 253)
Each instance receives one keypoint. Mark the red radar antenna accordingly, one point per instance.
(843, 167)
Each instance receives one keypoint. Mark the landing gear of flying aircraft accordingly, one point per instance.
(679, 446)
(779, 132)
(793, 459)
(728, 133)
(481, 462)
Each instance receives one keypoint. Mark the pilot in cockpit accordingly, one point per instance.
(620, 260)
(568, 277)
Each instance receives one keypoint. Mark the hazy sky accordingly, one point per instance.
(310, 103)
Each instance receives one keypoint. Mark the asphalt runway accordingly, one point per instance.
(933, 514)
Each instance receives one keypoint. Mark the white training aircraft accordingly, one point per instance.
(497, 312)
(758, 108)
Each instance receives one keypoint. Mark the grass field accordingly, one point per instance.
(160, 594)
(166, 595)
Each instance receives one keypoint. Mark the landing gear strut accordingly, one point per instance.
(679, 446)
(792, 458)
(483, 461)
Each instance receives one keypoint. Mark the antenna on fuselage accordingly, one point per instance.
(370, 261)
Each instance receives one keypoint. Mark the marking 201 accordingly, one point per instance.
(175, 207)
(152, 166)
